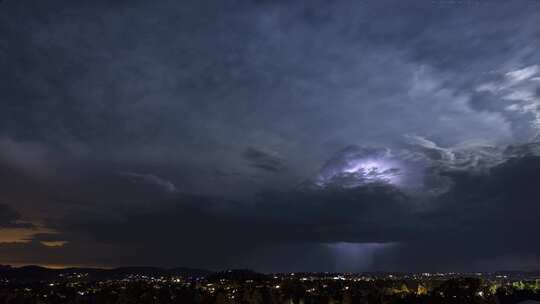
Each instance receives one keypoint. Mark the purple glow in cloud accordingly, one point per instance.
(356, 166)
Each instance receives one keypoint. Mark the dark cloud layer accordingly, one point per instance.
(263, 160)
(9, 218)
(277, 135)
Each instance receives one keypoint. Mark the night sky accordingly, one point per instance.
(274, 135)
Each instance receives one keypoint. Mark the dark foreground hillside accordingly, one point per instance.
(152, 286)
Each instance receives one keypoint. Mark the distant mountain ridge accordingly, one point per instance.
(39, 273)
(238, 275)
(34, 273)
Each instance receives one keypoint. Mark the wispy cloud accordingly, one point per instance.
(150, 179)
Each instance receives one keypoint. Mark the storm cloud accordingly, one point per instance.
(270, 134)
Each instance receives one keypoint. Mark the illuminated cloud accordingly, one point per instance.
(358, 166)
(23, 235)
(518, 91)
(54, 243)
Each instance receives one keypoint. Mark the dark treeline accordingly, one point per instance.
(458, 291)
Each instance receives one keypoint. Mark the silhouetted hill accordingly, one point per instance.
(238, 275)
(38, 273)
(186, 272)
